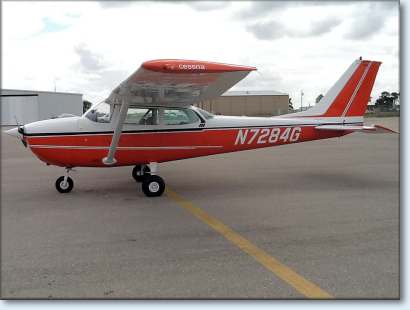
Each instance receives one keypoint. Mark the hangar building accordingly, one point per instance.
(249, 103)
(32, 105)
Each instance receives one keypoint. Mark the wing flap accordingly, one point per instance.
(360, 128)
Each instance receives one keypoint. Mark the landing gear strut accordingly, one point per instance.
(65, 184)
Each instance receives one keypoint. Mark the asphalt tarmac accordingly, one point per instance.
(328, 210)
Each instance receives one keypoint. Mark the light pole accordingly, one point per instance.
(301, 99)
(55, 87)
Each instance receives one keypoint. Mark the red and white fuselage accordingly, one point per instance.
(77, 141)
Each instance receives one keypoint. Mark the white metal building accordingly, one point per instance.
(31, 105)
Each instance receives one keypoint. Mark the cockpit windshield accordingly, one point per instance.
(99, 113)
(205, 114)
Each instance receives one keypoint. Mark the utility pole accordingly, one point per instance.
(301, 99)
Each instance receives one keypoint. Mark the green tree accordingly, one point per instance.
(290, 104)
(86, 105)
(385, 99)
(395, 96)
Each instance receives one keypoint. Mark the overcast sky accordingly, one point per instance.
(91, 47)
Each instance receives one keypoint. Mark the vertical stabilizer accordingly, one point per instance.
(349, 96)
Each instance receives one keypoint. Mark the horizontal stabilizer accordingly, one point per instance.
(360, 128)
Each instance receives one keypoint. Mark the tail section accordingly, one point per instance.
(349, 96)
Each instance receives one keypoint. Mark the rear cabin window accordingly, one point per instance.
(180, 117)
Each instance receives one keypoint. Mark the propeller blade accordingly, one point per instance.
(20, 130)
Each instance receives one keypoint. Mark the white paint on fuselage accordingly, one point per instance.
(83, 124)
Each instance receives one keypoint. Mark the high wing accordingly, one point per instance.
(177, 83)
(171, 82)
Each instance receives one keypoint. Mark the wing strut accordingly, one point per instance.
(110, 160)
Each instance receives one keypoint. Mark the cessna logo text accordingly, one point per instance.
(268, 135)
(200, 67)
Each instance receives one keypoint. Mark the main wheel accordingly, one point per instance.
(137, 175)
(64, 187)
(153, 186)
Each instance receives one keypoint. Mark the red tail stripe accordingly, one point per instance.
(359, 104)
(338, 106)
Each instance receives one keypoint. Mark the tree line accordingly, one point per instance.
(386, 99)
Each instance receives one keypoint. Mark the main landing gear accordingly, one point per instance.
(152, 184)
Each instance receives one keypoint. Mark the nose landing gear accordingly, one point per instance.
(65, 184)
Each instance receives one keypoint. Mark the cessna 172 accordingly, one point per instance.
(150, 118)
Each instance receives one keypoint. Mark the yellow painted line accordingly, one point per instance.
(307, 288)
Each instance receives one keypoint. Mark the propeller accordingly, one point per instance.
(20, 129)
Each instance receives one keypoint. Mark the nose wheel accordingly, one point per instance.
(65, 184)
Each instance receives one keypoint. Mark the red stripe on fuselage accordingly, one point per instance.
(142, 148)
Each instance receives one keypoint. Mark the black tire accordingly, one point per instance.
(64, 188)
(136, 173)
(153, 186)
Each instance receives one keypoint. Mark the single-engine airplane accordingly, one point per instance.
(150, 118)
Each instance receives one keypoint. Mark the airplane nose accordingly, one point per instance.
(15, 133)
(18, 133)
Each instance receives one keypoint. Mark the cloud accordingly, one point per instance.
(298, 19)
(206, 6)
(267, 31)
(115, 4)
(365, 26)
(260, 9)
(108, 41)
(274, 30)
(320, 27)
(256, 9)
(88, 61)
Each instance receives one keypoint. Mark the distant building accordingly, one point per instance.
(31, 105)
(249, 103)
(370, 106)
(301, 109)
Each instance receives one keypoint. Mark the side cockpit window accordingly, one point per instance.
(141, 116)
(180, 117)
